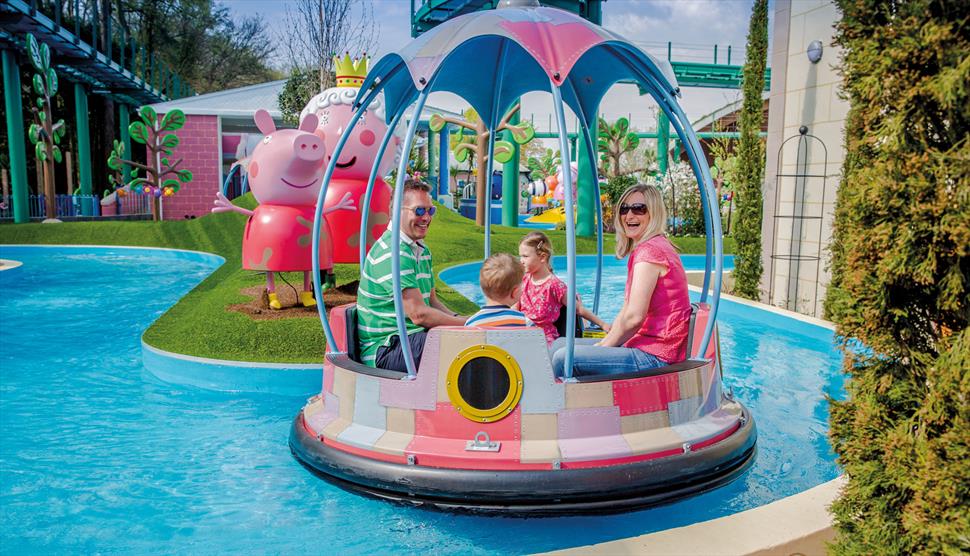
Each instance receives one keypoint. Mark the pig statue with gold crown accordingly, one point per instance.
(334, 109)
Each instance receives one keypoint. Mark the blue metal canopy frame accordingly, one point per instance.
(516, 74)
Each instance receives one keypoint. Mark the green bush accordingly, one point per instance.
(900, 271)
(751, 159)
(616, 185)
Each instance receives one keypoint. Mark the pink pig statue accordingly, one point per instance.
(334, 110)
(285, 174)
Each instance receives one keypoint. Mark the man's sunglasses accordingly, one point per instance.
(421, 211)
(638, 209)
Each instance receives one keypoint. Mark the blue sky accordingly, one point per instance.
(693, 26)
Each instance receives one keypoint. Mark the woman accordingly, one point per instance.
(651, 328)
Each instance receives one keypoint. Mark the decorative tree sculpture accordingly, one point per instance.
(615, 141)
(503, 150)
(164, 179)
(541, 167)
(45, 135)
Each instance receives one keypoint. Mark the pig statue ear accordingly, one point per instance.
(264, 122)
(309, 123)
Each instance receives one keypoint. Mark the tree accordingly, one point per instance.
(751, 159)
(900, 273)
(160, 142)
(615, 140)
(544, 165)
(44, 134)
(724, 171)
(502, 150)
(320, 29)
(297, 92)
(199, 40)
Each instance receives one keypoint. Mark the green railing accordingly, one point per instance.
(107, 38)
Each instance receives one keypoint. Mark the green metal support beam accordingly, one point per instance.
(124, 120)
(663, 142)
(83, 146)
(716, 76)
(15, 135)
(510, 179)
(432, 169)
(586, 200)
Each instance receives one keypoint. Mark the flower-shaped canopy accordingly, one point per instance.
(492, 58)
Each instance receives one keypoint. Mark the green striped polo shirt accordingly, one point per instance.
(376, 322)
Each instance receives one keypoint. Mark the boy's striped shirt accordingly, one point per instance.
(376, 322)
(492, 316)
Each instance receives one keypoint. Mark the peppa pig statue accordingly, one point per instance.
(285, 175)
(334, 109)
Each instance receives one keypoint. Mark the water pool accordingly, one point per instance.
(97, 455)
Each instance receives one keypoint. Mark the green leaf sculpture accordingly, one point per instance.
(161, 177)
(475, 144)
(44, 133)
(614, 141)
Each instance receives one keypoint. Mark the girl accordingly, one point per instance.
(543, 294)
(651, 329)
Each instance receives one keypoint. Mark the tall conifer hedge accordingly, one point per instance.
(751, 159)
(900, 275)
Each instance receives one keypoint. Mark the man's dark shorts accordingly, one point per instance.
(391, 357)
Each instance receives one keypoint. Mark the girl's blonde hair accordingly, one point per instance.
(656, 226)
(540, 242)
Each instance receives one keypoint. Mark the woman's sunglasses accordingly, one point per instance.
(421, 211)
(638, 209)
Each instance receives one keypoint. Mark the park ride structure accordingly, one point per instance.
(483, 424)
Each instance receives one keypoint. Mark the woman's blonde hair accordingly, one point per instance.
(540, 242)
(656, 226)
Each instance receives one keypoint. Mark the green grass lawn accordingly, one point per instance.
(199, 323)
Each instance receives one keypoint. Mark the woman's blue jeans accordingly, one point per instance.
(596, 360)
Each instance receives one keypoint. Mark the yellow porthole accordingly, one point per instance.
(484, 383)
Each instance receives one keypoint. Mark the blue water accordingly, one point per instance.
(96, 455)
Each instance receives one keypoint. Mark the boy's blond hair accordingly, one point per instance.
(501, 273)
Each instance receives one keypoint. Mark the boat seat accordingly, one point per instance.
(343, 320)
(353, 346)
(561, 323)
(699, 313)
(690, 329)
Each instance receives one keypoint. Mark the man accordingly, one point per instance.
(380, 344)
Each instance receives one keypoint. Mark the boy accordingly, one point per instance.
(501, 281)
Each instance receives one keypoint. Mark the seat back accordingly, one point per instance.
(343, 321)
(699, 315)
(561, 323)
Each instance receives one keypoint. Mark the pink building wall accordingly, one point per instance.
(199, 149)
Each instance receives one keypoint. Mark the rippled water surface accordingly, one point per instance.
(96, 455)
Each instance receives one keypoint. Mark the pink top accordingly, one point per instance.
(543, 302)
(664, 330)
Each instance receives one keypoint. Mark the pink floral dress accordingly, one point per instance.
(542, 303)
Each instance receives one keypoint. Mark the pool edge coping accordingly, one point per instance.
(9, 264)
(800, 523)
(102, 246)
(229, 362)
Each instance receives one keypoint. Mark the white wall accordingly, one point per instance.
(802, 94)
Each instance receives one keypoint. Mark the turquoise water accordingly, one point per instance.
(98, 456)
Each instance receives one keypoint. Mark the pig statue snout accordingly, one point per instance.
(308, 147)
